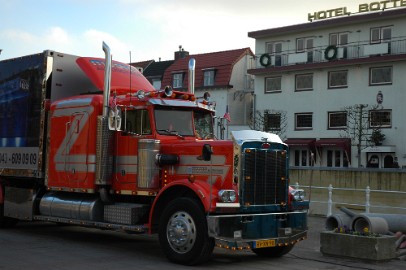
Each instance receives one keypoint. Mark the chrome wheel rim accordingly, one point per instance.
(181, 232)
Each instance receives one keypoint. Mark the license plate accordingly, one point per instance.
(265, 243)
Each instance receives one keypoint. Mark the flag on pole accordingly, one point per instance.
(227, 115)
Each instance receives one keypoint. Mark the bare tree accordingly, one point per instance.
(273, 121)
(359, 128)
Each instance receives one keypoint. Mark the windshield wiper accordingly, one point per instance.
(171, 132)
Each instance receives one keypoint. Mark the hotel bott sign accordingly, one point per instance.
(343, 11)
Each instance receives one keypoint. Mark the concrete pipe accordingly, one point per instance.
(396, 222)
(338, 221)
(348, 212)
(373, 224)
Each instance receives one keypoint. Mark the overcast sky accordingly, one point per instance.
(149, 29)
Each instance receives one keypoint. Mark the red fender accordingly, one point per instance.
(200, 188)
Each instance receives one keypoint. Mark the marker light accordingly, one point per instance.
(266, 146)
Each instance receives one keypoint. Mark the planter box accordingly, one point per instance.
(360, 247)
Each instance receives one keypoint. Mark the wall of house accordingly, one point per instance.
(321, 100)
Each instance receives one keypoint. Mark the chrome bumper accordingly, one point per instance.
(247, 230)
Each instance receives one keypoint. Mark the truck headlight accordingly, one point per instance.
(297, 194)
(227, 195)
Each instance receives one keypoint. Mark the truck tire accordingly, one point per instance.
(183, 233)
(6, 222)
(272, 252)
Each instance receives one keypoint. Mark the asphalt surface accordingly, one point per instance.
(43, 246)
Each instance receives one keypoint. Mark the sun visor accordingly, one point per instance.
(121, 77)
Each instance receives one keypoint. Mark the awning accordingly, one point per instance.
(344, 143)
(339, 142)
(333, 142)
(379, 149)
(293, 142)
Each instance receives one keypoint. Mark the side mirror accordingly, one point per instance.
(115, 119)
(207, 152)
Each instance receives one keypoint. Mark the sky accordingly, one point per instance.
(140, 30)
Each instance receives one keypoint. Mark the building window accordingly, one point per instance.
(274, 47)
(304, 82)
(303, 121)
(380, 75)
(304, 44)
(337, 79)
(337, 120)
(379, 34)
(339, 39)
(156, 83)
(336, 158)
(272, 121)
(209, 77)
(177, 80)
(380, 118)
(273, 84)
(302, 158)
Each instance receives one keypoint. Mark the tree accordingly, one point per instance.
(359, 128)
(377, 137)
(274, 121)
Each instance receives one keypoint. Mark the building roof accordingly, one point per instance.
(143, 64)
(222, 62)
(327, 23)
(157, 68)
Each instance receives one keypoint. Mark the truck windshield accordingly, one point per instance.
(174, 122)
(203, 125)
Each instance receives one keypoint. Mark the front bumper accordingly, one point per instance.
(247, 231)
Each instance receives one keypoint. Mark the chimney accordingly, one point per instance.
(181, 53)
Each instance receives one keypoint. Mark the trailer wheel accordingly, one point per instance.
(272, 252)
(183, 233)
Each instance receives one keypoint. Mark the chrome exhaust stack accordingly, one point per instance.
(104, 156)
(192, 64)
(107, 79)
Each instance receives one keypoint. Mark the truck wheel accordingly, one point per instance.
(183, 233)
(6, 222)
(272, 252)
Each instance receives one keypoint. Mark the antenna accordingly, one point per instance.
(130, 78)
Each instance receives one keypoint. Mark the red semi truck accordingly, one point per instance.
(89, 142)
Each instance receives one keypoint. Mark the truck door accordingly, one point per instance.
(136, 126)
(76, 145)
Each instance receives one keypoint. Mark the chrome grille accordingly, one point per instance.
(264, 177)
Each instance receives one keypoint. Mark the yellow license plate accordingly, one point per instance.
(265, 243)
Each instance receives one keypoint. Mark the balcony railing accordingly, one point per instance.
(358, 50)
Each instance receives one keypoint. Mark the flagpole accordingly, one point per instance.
(228, 118)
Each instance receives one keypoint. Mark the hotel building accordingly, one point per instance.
(331, 87)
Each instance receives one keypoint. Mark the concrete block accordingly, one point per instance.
(361, 247)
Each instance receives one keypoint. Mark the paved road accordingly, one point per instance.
(48, 246)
